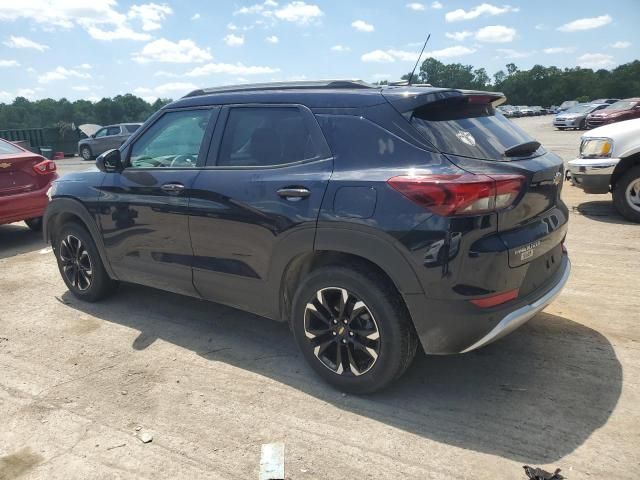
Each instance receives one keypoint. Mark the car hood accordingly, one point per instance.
(89, 128)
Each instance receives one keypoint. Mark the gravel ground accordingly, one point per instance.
(81, 383)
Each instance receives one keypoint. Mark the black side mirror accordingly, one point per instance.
(93, 135)
(110, 161)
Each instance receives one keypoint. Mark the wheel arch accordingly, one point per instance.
(64, 210)
(623, 165)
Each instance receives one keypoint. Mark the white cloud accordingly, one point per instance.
(496, 34)
(377, 56)
(85, 66)
(81, 88)
(416, 7)
(621, 45)
(100, 18)
(9, 63)
(298, 12)
(510, 53)
(554, 50)
(540, 26)
(586, 24)
(234, 40)
(392, 55)
(230, 69)
(22, 42)
(484, 9)
(150, 14)
(595, 61)
(458, 36)
(180, 88)
(272, 39)
(196, 16)
(436, 5)
(121, 32)
(362, 26)
(26, 92)
(340, 48)
(62, 73)
(163, 50)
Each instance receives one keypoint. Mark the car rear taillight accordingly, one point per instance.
(45, 167)
(463, 194)
(497, 299)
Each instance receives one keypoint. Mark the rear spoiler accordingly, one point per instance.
(408, 99)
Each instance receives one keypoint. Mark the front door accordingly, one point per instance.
(255, 205)
(144, 208)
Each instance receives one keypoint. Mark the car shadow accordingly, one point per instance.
(534, 396)
(602, 211)
(17, 238)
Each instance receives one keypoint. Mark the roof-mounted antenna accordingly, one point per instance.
(418, 61)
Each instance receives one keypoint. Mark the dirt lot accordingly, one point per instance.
(211, 384)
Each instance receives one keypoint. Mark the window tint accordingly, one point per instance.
(132, 128)
(101, 133)
(265, 136)
(113, 131)
(6, 147)
(172, 141)
(460, 127)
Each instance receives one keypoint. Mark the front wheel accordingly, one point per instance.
(626, 194)
(80, 264)
(353, 328)
(85, 153)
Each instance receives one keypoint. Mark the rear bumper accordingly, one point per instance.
(22, 206)
(457, 326)
(593, 175)
(523, 314)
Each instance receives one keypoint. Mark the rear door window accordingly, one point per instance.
(265, 136)
(460, 126)
(111, 131)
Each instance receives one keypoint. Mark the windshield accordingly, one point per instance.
(622, 105)
(581, 109)
(467, 129)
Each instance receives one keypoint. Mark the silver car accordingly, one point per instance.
(111, 136)
(576, 117)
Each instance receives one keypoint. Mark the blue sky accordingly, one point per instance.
(97, 48)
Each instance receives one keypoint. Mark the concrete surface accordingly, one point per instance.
(81, 383)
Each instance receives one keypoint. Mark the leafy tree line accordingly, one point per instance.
(538, 86)
(47, 112)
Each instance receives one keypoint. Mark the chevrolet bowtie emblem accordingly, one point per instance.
(5, 165)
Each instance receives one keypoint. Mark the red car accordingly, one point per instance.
(25, 178)
(616, 112)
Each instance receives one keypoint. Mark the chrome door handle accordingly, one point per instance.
(172, 188)
(294, 194)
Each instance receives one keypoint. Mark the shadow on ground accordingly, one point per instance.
(602, 211)
(17, 238)
(534, 396)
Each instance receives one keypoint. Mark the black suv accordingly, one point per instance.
(370, 219)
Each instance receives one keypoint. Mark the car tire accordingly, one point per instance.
(34, 224)
(85, 153)
(561, 128)
(80, 264)
(370, 345)
(626, 194)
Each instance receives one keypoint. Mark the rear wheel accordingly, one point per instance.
(34, 224)
(80, 264)
(85, 153)
(626, 194)
(353, 328)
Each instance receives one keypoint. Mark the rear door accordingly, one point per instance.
(144, 208)
(255, 205)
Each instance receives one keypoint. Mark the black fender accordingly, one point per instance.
(66, 205)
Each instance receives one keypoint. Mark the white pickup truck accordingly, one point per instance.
(609, 161)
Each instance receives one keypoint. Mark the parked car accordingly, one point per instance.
(525, 111)
(106, 138)
(616, 112)
(609, 161)
(538, 110)
(576, 117)
(25, 178)
(369, 218)
(567, 104)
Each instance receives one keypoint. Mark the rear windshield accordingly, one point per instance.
(459, 127)
(6, 147)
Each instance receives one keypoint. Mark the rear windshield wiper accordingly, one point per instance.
(522, 149)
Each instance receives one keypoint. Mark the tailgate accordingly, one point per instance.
(17, 174)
